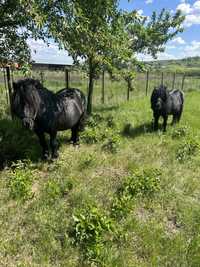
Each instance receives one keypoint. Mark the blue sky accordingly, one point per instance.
(185, 44)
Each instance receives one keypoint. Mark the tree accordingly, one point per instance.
(148, 36)
(102, 35)
(15, 28)
(92, 31)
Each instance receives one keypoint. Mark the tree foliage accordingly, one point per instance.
(15, 28)
(100, 34)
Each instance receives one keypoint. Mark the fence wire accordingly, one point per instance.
(115, 90)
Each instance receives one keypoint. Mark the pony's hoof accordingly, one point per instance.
(45, 156)
(76, 145)
(55, 155)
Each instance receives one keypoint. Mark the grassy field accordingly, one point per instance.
(127, 197)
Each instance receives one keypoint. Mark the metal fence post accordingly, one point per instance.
(147, 82)
(9, 88)
(67, 78)
(174, 79)
(103, 88)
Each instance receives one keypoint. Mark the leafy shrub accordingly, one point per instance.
(87, 161)
(90, 135)
(181, 132)
(54, 190)
(88, 229)
(110, 121)
(94, 120)
(112, 144)
(143, 183)
(20, 183)
(186, 150)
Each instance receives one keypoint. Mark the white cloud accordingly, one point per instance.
(149, 2)
(193, 49)
(160, 56)
(178, 40)
(171, 47)
(42, 53)
(140, 12)
(192, 12)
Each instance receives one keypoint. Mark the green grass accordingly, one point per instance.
(122, 199)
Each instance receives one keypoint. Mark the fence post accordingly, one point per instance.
(103, 88)
(183, 80)
(128, 92)
(42, 77)
(9, 88)
(174, 79)
(162, 78)
(147, 82)
(67, 78)
(6, 87)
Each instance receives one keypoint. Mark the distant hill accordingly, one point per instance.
(190, 65)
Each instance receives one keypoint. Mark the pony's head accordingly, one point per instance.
(26, 101)
(159, 97)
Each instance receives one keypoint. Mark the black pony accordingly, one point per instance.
(46, 112)
(164, 103)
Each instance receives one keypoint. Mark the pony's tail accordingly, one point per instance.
(182, 97)
(83, 121)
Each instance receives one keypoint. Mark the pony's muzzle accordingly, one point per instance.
(159, 104)
(28, 123)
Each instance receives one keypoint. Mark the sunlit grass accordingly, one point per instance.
(159, 230)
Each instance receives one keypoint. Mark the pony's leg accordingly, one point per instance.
(165, 122)
(41, 136)
(175, 119)
(75, 136)
(54, 145)
(156, 118)
(179, 115)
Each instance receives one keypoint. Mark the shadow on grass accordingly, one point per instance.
(17, 143)
(132, 132)
(106, 108)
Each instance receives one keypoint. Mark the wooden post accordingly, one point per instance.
(147, 82)
(9, 88)
(183, 80)
(42, 77)
(128, 92)
(67, 78)
(103, 88)
(162, 78)
(173, 82)
(6, 87)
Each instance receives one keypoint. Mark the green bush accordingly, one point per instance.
(94, 120)
(110, 121)
(54, 190)
(112, 144)
(88, 228)
(143, 183)
(87, 161)
(180, 132)
(186, 150)
(91, 135)
(20, 184)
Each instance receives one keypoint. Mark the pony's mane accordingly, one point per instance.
(29, 81)
(161, 92)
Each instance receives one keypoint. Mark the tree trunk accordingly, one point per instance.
(9, 89)
(91, 86)
(128, 91)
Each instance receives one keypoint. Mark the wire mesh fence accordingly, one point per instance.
(115, 91)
